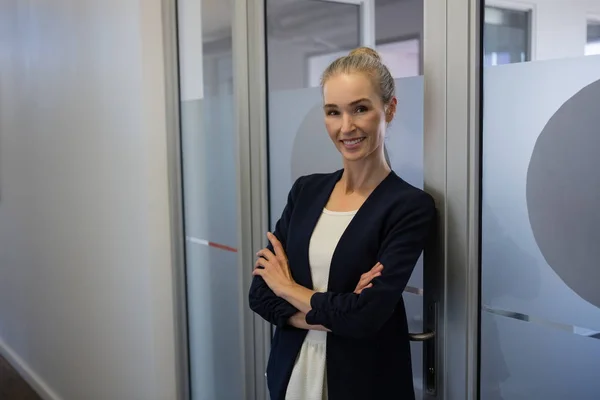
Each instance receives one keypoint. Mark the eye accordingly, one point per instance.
(361, 109)
(331, 112)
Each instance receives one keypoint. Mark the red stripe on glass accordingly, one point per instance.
(222, 247)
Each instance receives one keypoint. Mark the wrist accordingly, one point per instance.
(284, 290)
(295, 319)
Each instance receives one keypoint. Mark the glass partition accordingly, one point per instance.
(210, 188)
(540, 274)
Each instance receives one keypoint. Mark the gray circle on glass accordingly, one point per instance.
(563, 192)
(313, 151)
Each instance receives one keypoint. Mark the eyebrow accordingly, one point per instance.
(355, 102)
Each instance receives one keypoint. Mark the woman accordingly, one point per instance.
(336, 339)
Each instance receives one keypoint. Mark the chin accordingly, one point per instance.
(353, 156)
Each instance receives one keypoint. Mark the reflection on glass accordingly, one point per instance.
(210, 199)
(592, 46)
(506, 36)
(299, 31)
(540, 317)
(402, 57)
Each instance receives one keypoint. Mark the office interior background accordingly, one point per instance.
(146, 147)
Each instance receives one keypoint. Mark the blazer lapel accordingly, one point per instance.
(316, 200)
(353, 234)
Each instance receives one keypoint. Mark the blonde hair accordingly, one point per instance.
(367, 61)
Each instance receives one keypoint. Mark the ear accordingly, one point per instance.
(391, 110)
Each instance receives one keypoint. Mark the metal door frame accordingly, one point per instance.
(452, 42)
(172, 128)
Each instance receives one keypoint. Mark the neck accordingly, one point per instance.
(364, 175)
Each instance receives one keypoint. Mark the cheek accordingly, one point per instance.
(332, 128)
(372, 125)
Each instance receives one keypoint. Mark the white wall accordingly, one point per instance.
(85, 270)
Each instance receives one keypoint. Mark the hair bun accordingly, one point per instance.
(365, 51)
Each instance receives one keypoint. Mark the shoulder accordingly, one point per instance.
(408, 199)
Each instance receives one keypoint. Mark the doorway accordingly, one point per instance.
(251, 123)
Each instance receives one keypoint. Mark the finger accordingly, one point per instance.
(258, 271)
(370, 275)
(377, 267)
(266, 253)
(374, 272)
(363, 283)
(366, 278)
(370, 285)
(359, 291)
(376, 275)
(373, 275)
(279, 252)
(261, 262)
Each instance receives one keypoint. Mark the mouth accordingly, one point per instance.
(352, 142)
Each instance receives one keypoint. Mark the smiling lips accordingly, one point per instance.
(352, 144)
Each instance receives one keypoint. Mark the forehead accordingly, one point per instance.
(343, 89)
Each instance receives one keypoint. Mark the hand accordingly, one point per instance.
(367, 277)
(274, 268)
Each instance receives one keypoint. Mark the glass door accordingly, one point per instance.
(302, 38)
(540, 258)
(210, 196)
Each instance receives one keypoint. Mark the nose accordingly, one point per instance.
(347, 123)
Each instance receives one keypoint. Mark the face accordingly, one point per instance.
(355, 116)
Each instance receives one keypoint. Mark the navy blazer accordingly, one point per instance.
(368, 350)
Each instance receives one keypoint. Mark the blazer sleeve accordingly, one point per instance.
(352, 315)
(262, 300)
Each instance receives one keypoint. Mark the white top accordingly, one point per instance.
(309, 379)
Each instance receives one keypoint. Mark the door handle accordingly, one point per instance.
(429, 348)
(421, 337)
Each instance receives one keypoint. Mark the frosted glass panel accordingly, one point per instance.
(210, 194)
(518, 137)
(530, 361)
(540, 269)
(214, 326)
